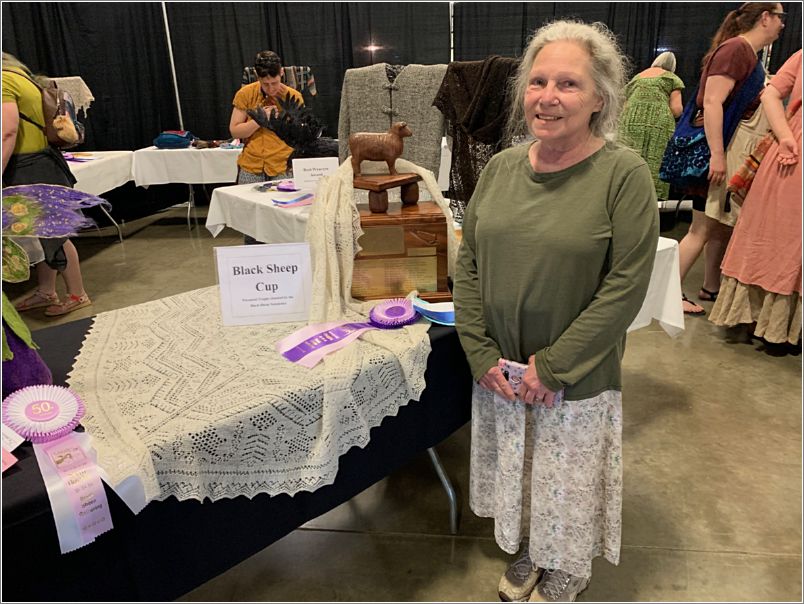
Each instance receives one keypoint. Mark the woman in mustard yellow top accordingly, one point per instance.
(265, 155)
(28, 159)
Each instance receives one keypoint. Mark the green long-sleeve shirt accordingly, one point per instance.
(557, 265)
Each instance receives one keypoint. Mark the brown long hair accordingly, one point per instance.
(10, 60)
(738, 22)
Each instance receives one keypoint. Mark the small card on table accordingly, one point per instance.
(269, 283)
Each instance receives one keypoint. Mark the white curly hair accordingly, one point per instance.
(609, 70)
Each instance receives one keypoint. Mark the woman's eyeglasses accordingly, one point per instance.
(782, 16)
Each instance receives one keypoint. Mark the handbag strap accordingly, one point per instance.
(685, 127)
(21, 114)
(742, 99)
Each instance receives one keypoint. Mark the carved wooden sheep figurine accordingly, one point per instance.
(378, 146)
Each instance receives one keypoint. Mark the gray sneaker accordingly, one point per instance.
(519, 580)
(558, 586)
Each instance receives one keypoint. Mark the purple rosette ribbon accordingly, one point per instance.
(47, 415)
(312, 343)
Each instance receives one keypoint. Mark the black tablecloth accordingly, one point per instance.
(173, 546)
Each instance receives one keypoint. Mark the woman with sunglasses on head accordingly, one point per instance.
(732, 78)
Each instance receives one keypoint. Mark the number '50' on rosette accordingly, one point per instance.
(310, 344)
(46, 415)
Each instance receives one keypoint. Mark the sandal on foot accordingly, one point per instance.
(684, 298)
(72, 303)
(707, 296)
(38, 299)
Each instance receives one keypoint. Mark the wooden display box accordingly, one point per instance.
(403, 249)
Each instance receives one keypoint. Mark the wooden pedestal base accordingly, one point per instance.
(402, 250)
(378, 184)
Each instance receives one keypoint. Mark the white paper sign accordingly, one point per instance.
(307, 172)
(11, 440)
(270, 283)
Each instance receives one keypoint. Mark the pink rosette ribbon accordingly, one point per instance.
(47, 415)
(310, 344)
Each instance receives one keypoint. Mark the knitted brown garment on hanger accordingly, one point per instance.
(474, 98)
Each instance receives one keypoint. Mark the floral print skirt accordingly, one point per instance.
(553, 476)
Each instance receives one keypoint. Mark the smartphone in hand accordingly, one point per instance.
(514, 372)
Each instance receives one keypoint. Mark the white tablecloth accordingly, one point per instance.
(663, 300)
(251, 212)
(108, 170)
(154, 166)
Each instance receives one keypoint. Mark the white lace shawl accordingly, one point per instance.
(198, 410)
(78, 90)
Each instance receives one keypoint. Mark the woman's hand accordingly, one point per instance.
(717, 168)
(788, 152)
(533, 391)
(495, 381)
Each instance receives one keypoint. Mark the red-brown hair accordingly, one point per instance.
(738, 22)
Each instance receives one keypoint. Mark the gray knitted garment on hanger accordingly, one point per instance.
(370, 102)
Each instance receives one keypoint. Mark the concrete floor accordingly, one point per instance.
(712, 448)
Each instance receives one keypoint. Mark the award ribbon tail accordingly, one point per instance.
(312, 343)
(74, 487)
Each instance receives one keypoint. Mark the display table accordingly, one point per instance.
(251, 212)
(101, 172)
(171, 547)
(663, 299)
(154, 166)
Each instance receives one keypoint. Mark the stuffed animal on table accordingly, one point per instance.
(378, 146)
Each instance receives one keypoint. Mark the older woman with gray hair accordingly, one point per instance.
(558, 246)
(653, 102)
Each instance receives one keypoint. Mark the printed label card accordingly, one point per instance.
(270, 283)
(307, 172)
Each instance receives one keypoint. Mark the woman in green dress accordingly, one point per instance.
(653, 102)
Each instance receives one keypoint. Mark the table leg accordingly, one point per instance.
(445, 482)
(191, 206)
(114, 222)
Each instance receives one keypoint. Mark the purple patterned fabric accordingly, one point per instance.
(46, 210)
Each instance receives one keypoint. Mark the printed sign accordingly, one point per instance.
(269, 283)
(11, 440)
(307, 172)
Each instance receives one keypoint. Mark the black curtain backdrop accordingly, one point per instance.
(790, 40)
(326, 36)
(120, 48)
(644, 29)
(117, 48)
